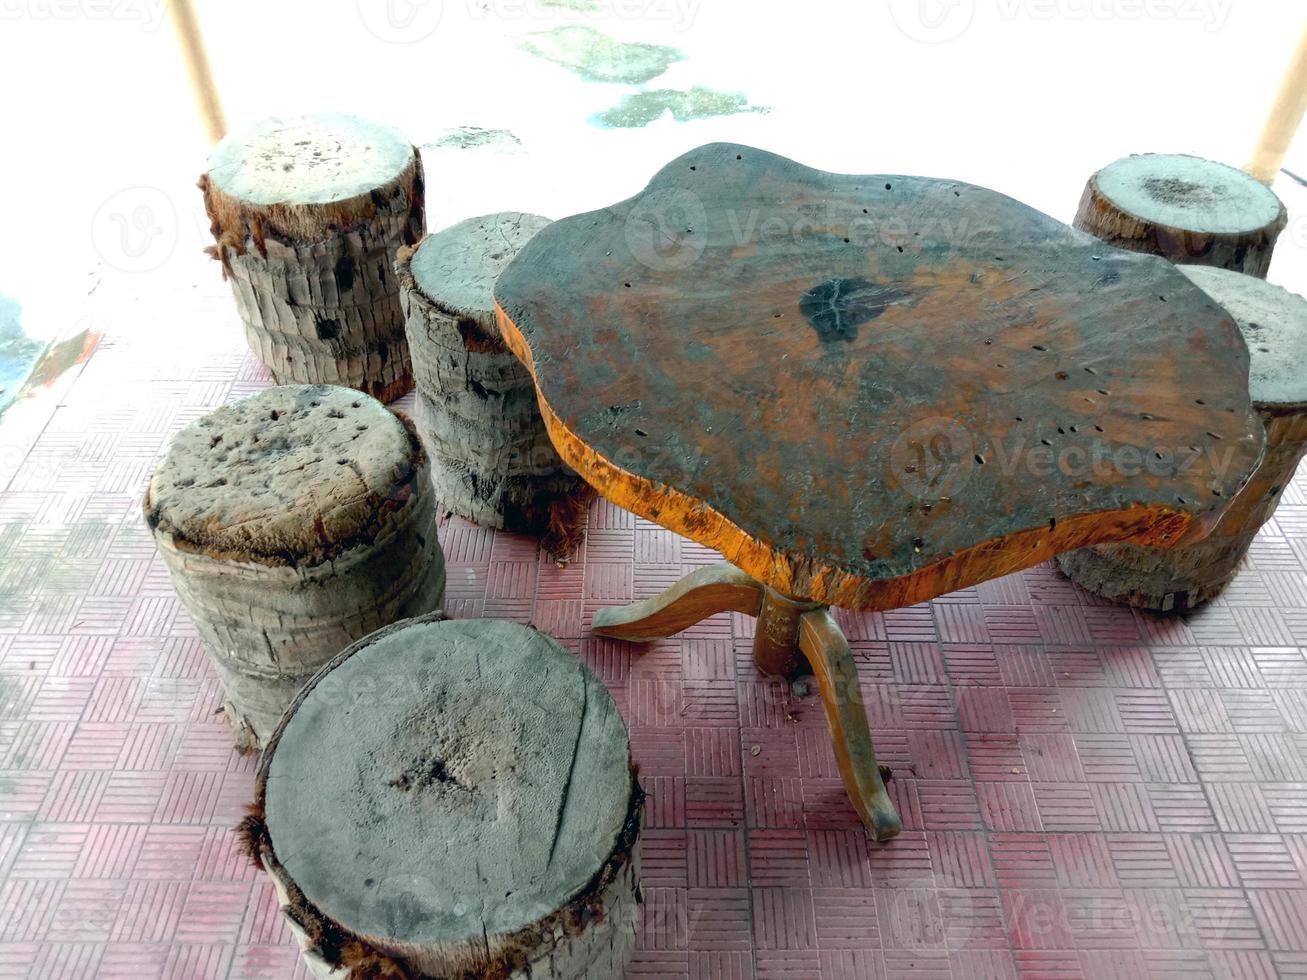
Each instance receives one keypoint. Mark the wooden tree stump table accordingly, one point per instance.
(306, 215)
(475, 408)
(867, 391)
(453, 799)
(1274, 323)
(1186, 209)
(294, 522)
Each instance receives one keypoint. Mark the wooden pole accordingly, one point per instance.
(1283, 120)
(197, 66)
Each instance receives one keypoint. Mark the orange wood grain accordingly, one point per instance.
(832, 664)
(703, 593)
(698, 397)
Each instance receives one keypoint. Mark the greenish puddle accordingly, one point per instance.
(642, 108)
(596, 57)
(472, 137)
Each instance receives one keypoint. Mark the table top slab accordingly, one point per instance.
(871, 390)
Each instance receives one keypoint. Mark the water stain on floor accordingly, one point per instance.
(596, 57)
(642, 108)
(473, 137)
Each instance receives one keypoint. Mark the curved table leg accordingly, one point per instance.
(788, 631)
(702, 593)
(828, 654)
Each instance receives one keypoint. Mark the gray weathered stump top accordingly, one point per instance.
(294, 474)
(457, 268)
(311, 159)
(1179, 191)
(1274, 325)
(445, 781)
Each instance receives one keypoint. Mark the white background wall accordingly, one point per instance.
(102, 143)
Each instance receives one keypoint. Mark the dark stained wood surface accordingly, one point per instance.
(871, 390)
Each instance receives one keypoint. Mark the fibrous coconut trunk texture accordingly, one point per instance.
(292, 523)
(307, 214)
(475, 407)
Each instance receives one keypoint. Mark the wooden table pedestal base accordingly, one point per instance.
(793, 635)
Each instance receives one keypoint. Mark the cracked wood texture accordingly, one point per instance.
(475, 404)
(872, 390)
(292, 523)
(306, 214)
(1186, 209)
(456, 797)
(1274, 324)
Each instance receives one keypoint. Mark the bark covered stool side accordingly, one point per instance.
(1274, 324)
(453, 798)
(306, 215)
(294, 522)
(475, 406)
(1186, 209)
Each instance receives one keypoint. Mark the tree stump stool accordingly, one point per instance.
(453, 798)
(1186, 209)
(491, 458)
(1274, 323)
(294, 522)
(306, 215)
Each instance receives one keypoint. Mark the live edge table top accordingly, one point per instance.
(871, 390)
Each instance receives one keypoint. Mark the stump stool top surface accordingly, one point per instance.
(446, 781)
(858, 388)
(1274, 325)
(457, 268)
(292, 475)
(312, 159)
(1180, 191)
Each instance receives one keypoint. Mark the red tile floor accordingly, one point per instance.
(1086, 791)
